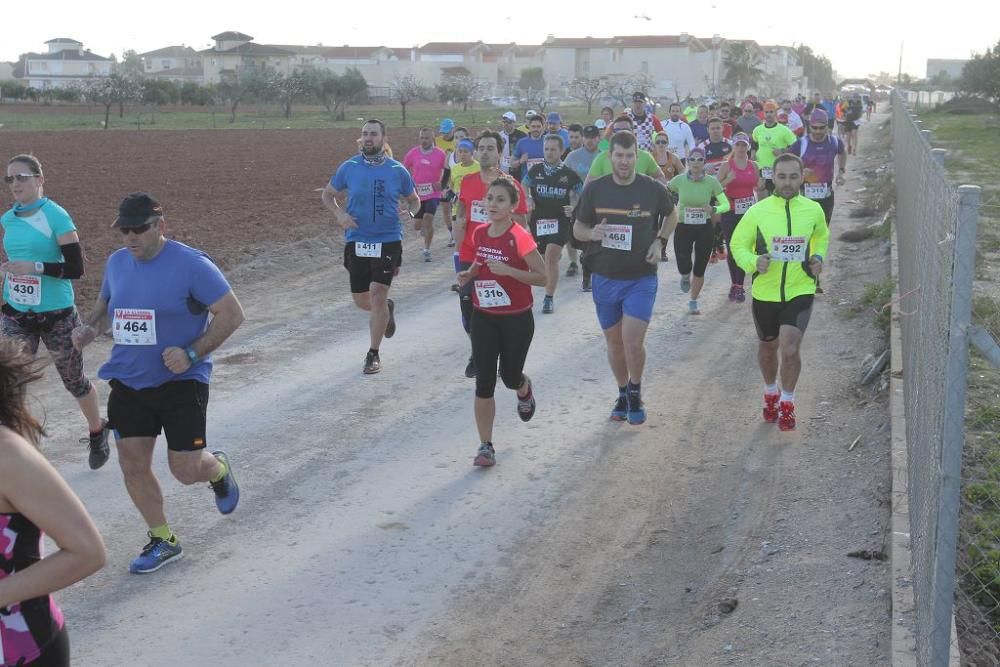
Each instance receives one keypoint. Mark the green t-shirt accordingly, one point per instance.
(645, 164)
(769, 139)
(696, 194)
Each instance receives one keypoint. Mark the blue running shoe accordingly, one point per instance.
(636, 412)
(227, 491)
(620, 410)
(155, 555)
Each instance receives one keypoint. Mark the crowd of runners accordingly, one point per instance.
(749, 183)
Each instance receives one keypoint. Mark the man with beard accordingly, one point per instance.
(644, 125)
(367, 195)
(681, 138)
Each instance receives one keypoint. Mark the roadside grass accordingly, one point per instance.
(875, 297)
(14, 117)
(973, 142)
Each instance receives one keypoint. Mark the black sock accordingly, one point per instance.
(372, 350)
(622, 390)
(632, 386)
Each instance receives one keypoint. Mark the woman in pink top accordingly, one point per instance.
(34, 500)
(740, 178)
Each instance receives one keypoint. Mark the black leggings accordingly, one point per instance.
(696, 238)
(465, 297)
(500, 337)
(55, 653)
(728, 224)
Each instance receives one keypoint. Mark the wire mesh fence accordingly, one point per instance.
(955, 517)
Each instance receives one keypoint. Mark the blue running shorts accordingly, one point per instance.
(616, 298)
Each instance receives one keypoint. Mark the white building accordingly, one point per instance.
(235, 53)
(173, 63)
(65, 64)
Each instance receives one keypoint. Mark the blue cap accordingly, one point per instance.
(554, 117)
(467, 144)
(447, 125)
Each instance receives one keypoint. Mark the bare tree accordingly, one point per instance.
(288, 89)
(244, 85)
(405, 89)
(465, 89)
(587, 90)
(112, 90)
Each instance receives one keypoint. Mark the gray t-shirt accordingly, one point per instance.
(634, 213)
(580, 161)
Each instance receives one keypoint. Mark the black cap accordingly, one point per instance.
(136, 210)
(638, 96)
(591, 131)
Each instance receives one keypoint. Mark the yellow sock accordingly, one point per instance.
(164, 533)
(222, 471)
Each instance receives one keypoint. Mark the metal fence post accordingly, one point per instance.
(956, 376)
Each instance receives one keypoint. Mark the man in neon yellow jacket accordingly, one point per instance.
(782, 241)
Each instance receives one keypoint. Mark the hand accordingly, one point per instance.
(568, 210)
(344, 219)
(815, 267)
(404, 209)
(777, 152)
(840, 179)
(82, 336)
(499, 268)
(176, 360)
(653, 254)
(598, 231)
(463, 277)
(18, 268)
(763, 262)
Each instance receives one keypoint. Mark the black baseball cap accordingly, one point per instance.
(591, 131)
(638, 96)
(136, 210)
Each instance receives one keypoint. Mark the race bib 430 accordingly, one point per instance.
(25, 290)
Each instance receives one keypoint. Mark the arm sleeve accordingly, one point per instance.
(526, 243)
(820, 240)
(205, 280)
(649, 166)
(405, 182)
(339, 179)
(673, 183)
(723, 205)
(71, 267)
(600, 167)
(742, 244)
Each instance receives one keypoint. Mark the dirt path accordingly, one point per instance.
(365, 536)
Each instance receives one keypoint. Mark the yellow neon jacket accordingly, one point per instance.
(776, 216)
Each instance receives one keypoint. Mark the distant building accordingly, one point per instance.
(65, 64)
(936, 67)
(785, 77)
(7, 71)
(235, 53)
(180, 64)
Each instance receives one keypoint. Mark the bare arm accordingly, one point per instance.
(458, 226)
(227, 316)
(32, 487)
(331, 199)
(96, 321)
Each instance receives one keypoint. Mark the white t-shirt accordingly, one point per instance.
(681, 137)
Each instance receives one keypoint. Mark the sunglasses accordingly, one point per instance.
(817, 127)
(20, 178)
(662, 143)
(696, 159)
(140, 229)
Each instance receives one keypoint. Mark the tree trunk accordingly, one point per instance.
(121, 109)
(403, 104)
(232, 111)
(107, 114)
(590, 107)
(288, 109)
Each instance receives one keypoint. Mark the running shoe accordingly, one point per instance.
(486, 456)
(155, 555)
(427, 254)
(526, 405)
(636, 412)
(586, 283)
(454, 287)
(741, 294)
(686, 284)
(786, 416)
(390, 327)
(771, 407)
(571, 270)
(714, 257)
(227, 491)
(619, 412)
(372, 363)
(547, 307)
(693, 308)
(470, 368)
(732, 292)
(98, 444)
(451, 240)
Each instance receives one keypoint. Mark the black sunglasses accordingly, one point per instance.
(817, 127)
(140, 229)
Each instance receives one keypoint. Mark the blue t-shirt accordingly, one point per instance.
(35, 238)
(373, 194)
(580, 161)
(533, 148)
(563, 132)
(699, 130)
(177, 285)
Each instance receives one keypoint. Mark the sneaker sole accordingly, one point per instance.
(483, 462)
(232, 478)
(637, 420)
(618, 418)
(782, 427)
(168, 561)
(372, 371)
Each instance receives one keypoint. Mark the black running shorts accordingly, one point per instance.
(770, 316)
(367, 270)
(179, 409)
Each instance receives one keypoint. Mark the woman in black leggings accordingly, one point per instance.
(507, 264)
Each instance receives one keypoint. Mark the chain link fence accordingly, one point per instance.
(954, 508)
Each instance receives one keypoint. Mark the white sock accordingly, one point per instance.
(770, 389)
(787, 396)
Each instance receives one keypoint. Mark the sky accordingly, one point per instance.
(860, 37)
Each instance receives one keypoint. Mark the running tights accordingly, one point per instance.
(696, 239)
(500, 337)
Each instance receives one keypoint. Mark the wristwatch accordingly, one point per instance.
(192, 355)
(39, 267)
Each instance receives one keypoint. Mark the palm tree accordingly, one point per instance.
(743, 67)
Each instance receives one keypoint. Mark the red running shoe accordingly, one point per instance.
(786, 416)
(771, 407)
(714, 257)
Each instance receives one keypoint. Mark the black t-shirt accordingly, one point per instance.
(634, 213)
(550, 189)
(715, 154)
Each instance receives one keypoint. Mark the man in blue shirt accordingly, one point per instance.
(553, 125)
(530, 149)
(376, 190)
(157, 295)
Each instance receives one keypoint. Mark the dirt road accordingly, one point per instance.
(366, 537)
